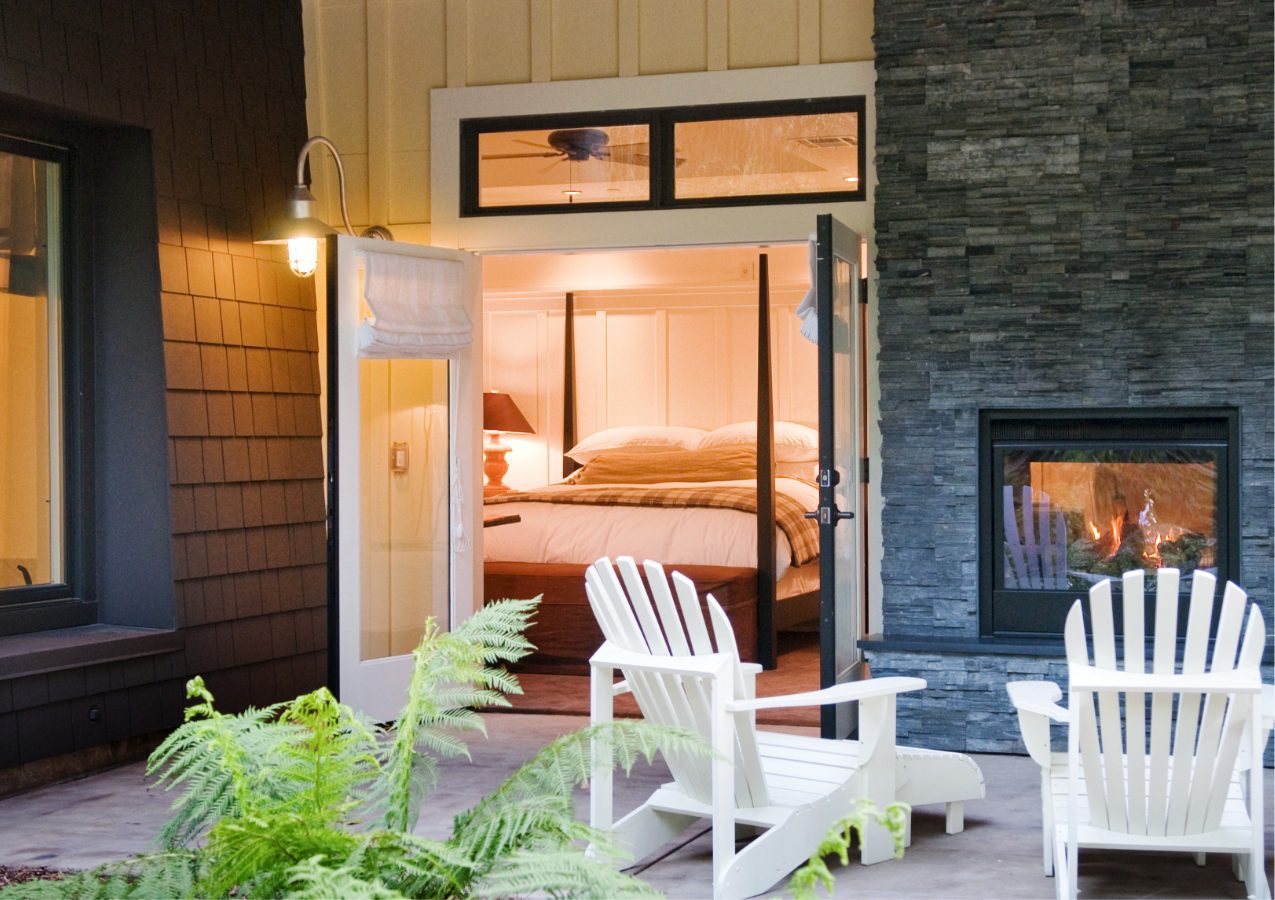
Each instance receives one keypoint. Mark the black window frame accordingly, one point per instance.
(70, 601)
(661, 123)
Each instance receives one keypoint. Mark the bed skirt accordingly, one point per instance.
(564, 631)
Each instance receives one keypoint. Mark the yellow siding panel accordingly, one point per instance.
(584, 39)
(499, 42)
(409, 181)
(672, 36)
(418, 62)
(845, 31)
(343, 47)
(763, 33)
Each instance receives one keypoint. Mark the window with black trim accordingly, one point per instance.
(38, 488)
(791, 151)
(85, 528)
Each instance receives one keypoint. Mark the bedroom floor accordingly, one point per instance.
(798, 671)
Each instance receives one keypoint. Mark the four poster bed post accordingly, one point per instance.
(767, 650)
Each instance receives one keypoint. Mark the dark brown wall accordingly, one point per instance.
(220, 87)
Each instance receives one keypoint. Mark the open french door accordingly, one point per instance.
(403, 508)
(841, 498)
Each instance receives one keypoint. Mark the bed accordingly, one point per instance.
(730, 514)
(705, 529)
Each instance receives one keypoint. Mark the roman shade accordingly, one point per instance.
(418, 308)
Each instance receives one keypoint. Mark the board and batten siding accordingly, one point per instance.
(370, 65)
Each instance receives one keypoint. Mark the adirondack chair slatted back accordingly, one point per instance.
(1036, 558)
(1170, 778)
(674, 626)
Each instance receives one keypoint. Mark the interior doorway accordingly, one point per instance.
(663, 348)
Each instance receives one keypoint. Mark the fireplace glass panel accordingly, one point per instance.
(1072, 517)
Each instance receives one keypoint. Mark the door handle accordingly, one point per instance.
(829, 515)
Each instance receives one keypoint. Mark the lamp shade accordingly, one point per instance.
(500, 413)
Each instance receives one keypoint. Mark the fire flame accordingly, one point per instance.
(1115, 539)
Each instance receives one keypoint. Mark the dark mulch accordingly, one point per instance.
(19, 874)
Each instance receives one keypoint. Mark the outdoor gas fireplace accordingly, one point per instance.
(1070, 497)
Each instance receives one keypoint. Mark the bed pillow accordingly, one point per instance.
(637, 438)
(793, 442)
(807, 471)
(654, 466)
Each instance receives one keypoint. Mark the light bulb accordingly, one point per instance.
(303, 256)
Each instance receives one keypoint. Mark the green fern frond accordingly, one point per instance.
(220, 761)
(330, 754)
(807, 880)
(562, 873)
(419, 867)
(142, 877)
(310, 879)
(451, 675)
(533, 807)
(255, 853)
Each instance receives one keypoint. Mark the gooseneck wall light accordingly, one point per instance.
(303, 229)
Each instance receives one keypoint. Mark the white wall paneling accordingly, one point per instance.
(642, 358)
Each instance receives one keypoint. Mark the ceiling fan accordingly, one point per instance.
(579, 145)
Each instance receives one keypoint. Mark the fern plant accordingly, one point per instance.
(807, 880)
(309, 799)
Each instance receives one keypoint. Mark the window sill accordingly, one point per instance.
(83, 645)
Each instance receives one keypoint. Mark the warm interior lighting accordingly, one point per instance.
(302, 229)
(303, 256)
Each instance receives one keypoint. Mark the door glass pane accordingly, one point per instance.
(564, 166)
(846, 454)
(31, 516)
(761, 155)
(404, 507)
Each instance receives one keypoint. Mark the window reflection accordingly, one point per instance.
(564, 166)
(30, 375)
(763, 155)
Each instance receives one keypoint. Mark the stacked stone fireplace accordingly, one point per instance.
(1073, 213)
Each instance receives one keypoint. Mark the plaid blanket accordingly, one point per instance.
(802, 533)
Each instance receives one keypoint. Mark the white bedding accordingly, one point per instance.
(566, 533)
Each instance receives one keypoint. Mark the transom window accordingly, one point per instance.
(745, 153)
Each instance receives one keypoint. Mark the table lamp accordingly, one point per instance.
(500, 416)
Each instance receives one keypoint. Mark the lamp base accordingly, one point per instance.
(494, 467)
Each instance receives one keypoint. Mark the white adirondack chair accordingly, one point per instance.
(791, 788)
(1036, 559)
(1192, 780)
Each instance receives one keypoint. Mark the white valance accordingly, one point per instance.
(418, 308)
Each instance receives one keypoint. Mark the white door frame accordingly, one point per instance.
(561, 232)
(377, 687)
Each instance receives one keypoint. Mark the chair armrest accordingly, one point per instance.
(1036, 702)
(1039, 697)
(838, 693)
(750, 668)
(620, 687)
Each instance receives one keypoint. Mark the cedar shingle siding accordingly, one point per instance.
(221, 88)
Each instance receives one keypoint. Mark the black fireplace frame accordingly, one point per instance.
(1027, 614)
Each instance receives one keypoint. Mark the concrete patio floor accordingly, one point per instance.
(113, 814)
